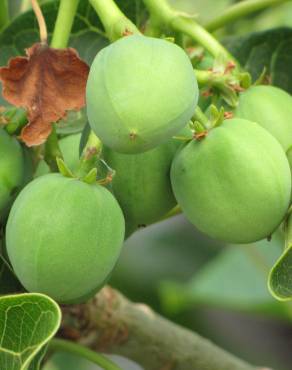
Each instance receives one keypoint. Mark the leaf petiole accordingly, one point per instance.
(41, 21)
(240, 10)
(165, 14)
(53, 151)
(64, 23)
(4, 13)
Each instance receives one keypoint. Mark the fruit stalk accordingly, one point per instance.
(64, 22)
(93, 142)
(4, 13)
(90, 155)
(240, 10)
(181, 22)
(210, 78)
(41, 21)
(62, 345)
(61, 34)
(116, 24)
(224, 83)
(52, 151)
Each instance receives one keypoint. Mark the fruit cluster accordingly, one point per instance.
(233, 183)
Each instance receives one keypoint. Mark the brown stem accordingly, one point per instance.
(41, 21)
(111, 323)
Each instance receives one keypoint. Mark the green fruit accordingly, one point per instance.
(42, 169)
(69, 146)
(140, 92)
(271, 108)
(142, 183)
(11, 168)
(64, 236)
(235, 184)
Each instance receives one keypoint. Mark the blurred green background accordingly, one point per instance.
(219, 291)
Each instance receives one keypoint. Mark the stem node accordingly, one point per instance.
(116, 24)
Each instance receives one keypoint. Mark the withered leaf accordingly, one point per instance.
(47, 83)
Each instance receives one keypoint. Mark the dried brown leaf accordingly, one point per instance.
(47, 83)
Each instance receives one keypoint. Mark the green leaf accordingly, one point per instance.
(37, 360)
(27, 323)
(172, 249)
(270, 49)
(280, 277)
(235, 279)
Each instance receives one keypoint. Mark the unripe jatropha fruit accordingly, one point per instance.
(64, 236)
(235, 184)
(142, 183)
(271, 108)
(11, 168)
(69, 146)
(140, 92)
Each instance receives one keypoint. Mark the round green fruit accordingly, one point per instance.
(11, 168)
(142, 183)
(235, 184)
(69, 146)
(42, 169)
(271, 108)
(140, 92)
(64, 236)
